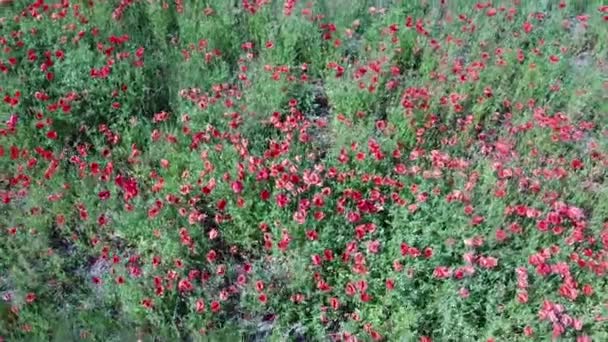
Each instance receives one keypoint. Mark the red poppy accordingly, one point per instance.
(237, 187)
(147, 303)
(200, 305)
(51, 135)
(215, 306)
(211, 256)
(30, 297)
(259, 285)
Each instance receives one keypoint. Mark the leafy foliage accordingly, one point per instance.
(290, 170)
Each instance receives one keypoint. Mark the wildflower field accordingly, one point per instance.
(323, 170)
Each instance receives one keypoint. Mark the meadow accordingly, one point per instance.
(323, 170)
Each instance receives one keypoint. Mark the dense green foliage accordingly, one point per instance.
(291, 170)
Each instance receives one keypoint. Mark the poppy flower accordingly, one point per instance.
(199, 305)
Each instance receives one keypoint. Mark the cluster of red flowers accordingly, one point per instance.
(429, 164)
